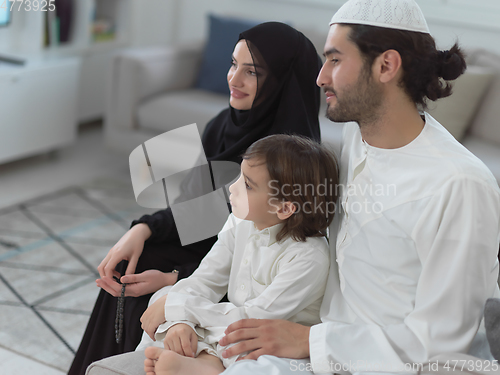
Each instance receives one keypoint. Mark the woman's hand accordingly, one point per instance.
(181, 339)
(129, 248)
(138, 284)
(280, 338)
(153, 317)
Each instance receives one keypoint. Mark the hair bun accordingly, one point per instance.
(451, 63)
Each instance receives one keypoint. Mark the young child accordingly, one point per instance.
(271, 257)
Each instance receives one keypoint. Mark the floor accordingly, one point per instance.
(59, 216)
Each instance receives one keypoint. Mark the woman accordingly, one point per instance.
(272, 83)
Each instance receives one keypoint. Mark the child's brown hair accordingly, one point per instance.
(303, 172)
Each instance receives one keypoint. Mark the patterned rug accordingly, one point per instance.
(50, 248)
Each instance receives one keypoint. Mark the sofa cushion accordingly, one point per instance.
(131, 363)
(222, 37)
(457, 111)
(486, 123)
(178, 108)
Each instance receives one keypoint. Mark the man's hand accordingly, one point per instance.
(138, 284)
(280, 338)
(153, 317)
(181, 339)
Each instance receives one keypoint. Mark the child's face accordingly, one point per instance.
(250, 195)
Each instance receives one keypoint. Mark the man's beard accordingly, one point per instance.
(360, 102)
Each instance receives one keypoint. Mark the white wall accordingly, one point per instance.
(153, 22)
(192, 22)
(315, 15)
(468, 36)
(182, 21)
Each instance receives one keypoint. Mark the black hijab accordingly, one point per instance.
(288, 100)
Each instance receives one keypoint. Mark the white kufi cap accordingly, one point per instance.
(393, 14)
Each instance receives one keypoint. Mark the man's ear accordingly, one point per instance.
(388, 66)
(286, 210)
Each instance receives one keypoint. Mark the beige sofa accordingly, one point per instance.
(151, 91)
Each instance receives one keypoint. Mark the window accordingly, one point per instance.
(4, 13)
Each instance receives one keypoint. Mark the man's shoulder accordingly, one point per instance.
(421, 168)
(454, 160)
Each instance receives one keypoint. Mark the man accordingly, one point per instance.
(414, 246)
(415, 263)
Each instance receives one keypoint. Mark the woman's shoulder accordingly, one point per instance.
(215, 124)
(221, 117)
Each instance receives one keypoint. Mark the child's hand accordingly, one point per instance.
(153, 317)
(181, 339)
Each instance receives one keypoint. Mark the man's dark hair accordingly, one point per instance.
(297, 167)
(425, 69)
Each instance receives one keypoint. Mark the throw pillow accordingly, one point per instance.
(457, 111)
(223, 35)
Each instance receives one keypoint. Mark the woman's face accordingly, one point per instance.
(242, 77)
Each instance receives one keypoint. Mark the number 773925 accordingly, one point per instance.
(28, 5)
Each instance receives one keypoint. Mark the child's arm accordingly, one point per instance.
(210, 280)
(301, 281)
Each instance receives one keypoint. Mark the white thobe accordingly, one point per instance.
(263, 279)
(413, 261)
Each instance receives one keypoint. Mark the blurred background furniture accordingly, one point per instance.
(39, 103)
(154, 90)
